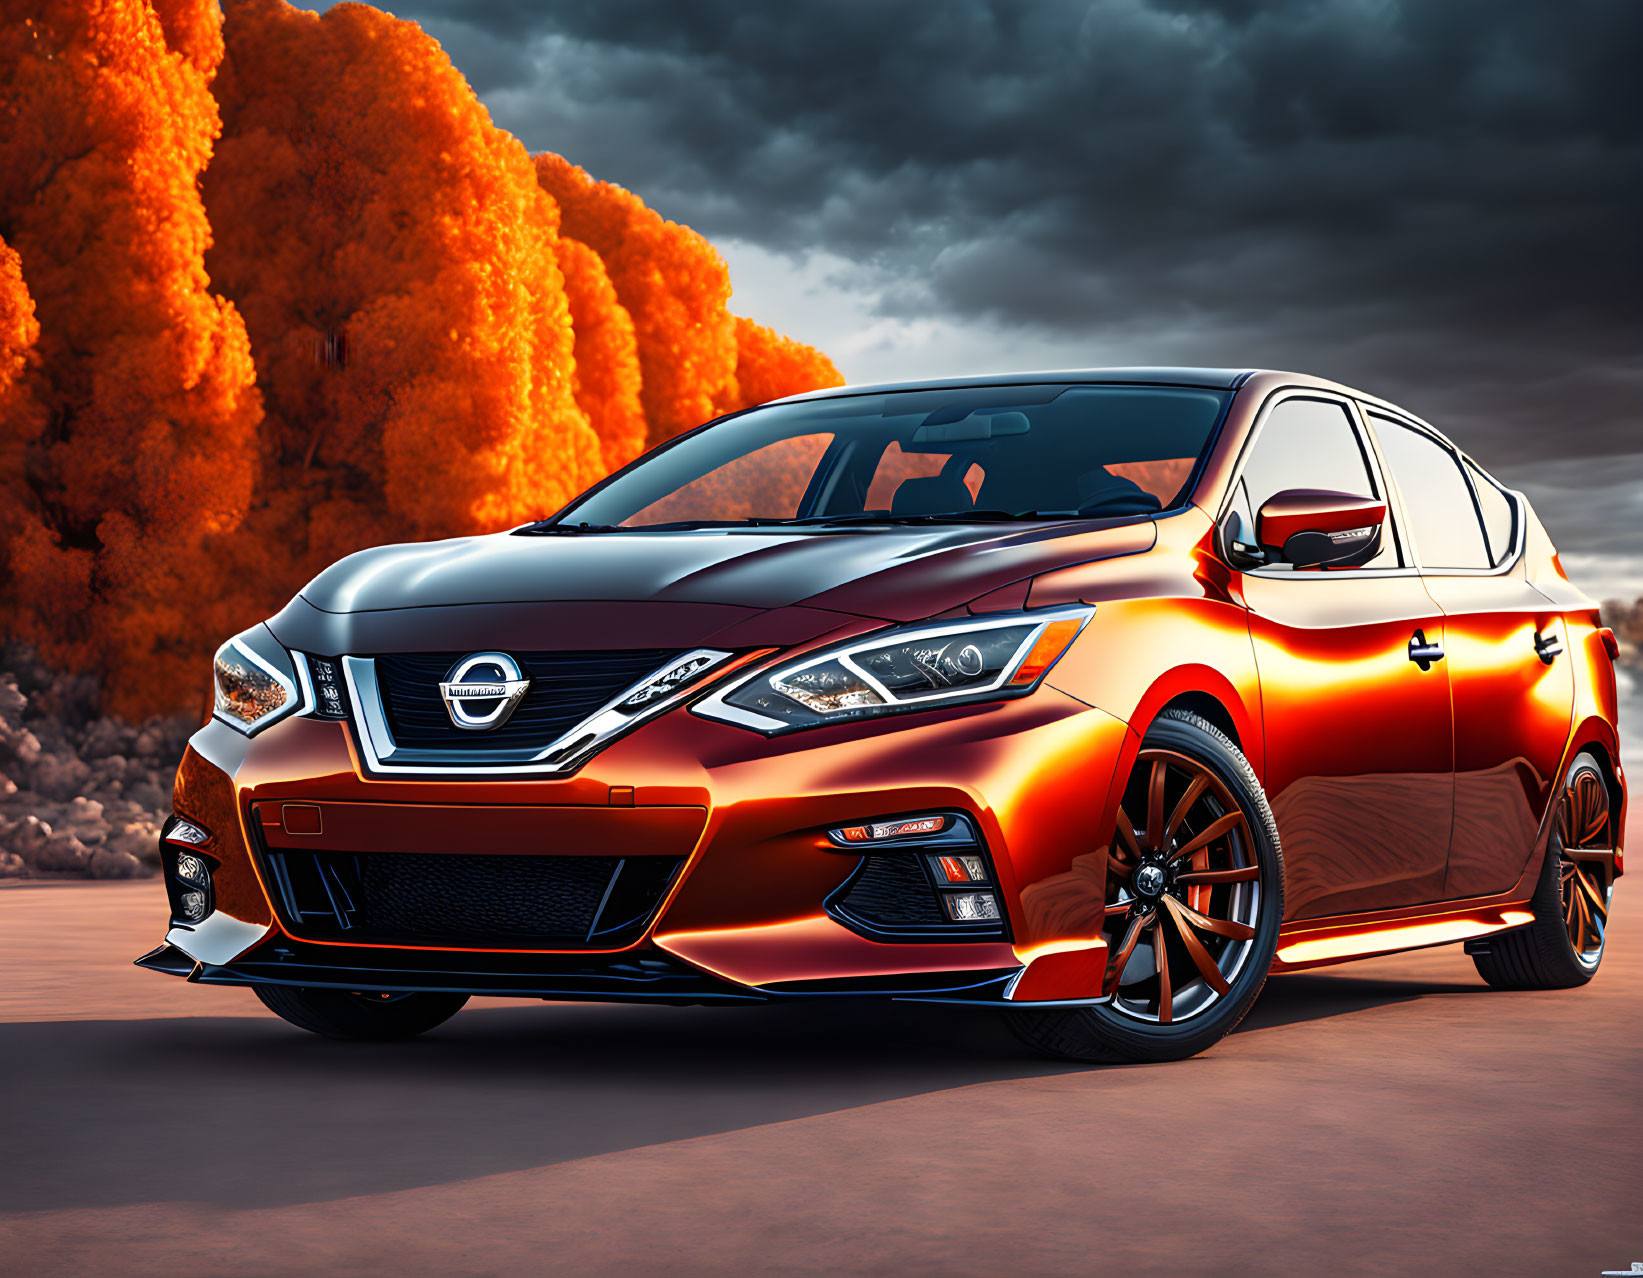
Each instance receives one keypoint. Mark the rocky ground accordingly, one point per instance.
(81, 794)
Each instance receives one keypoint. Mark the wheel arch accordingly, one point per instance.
(1597, 737)
(1208, 693)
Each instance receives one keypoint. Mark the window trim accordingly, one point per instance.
(1372, 460)
(1513, 504)
(1398, 417)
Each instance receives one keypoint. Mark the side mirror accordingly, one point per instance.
(1314, 529)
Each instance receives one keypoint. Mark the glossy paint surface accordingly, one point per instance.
(1412, 804)
(1358, 751)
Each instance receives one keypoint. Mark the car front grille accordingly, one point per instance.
(566, 687)
(478, 900)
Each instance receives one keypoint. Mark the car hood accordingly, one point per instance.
(665, 587)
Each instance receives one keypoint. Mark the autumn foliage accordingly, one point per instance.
(275, 289)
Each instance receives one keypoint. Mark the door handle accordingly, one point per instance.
(1548, 647)
(1423, 654)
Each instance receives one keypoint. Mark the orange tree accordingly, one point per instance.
(139, 448)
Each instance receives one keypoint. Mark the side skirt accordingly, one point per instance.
(1322, 942)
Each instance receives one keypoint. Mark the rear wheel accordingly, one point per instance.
(359, 1015)
(1564, 945)
(1194, 903)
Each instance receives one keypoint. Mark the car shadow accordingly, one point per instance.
(1316, 996)
(250, 1112)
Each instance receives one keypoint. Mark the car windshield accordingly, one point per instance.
(948, 455)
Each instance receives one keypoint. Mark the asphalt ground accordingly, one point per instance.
(1394, 1116)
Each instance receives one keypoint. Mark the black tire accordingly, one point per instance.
(361, 1017)
(1105, 1033)
(1542, 955)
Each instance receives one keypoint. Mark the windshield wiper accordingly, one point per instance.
(569, 530)
(945, 517)
(678, 525)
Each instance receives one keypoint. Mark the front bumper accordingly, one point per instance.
(744, 917)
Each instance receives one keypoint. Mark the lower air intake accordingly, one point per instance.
(480, 901)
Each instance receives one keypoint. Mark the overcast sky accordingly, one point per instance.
(1439, 201)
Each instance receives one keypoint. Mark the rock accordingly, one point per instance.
(59, 776)
(27, 835)
(140, 839)
(12, 703)
(11, 866)
(51, 736)
(147, 795)
(150, 742)
(8, 787)
(118, 812)
(19, 744)
(83, 818)
(105, 863)
(60, 854)
(108, 738)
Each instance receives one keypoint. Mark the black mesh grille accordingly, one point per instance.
(893, 891)
(566, 687)
(551, 902)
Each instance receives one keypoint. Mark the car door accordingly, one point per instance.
(1512, 684)
(1357, 734)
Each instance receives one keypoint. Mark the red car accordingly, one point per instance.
(1093, 697)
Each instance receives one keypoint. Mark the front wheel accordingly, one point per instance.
(359, 1015)
(1195, 897)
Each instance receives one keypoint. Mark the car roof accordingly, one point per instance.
(1213, 378)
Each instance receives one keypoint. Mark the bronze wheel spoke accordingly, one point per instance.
(1216, 829)
(1582, 916)
(1155, 806)
(1594, 808)
(1121, 868)
(1243, 874)
(1160, 958)
(1195, 791)
(1593, 896)
(1206, 965)
(1132, 934)
(1126, 834)
(1221, 927)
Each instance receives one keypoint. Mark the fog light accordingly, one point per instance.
(912, 827)
(193, 906)
(187, 832)
(970, 907)
(191, 869)
(961, 869)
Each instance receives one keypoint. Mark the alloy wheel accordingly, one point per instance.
(1586, 871)
(1183, 891)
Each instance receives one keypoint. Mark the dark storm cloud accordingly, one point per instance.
(1437, 201)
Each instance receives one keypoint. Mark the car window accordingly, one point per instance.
(768, 483)
(1309, 443)
(1437, 504)
(1499, 515)
(896, 467)
(1032, 452)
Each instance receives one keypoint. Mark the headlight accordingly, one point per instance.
(256, 681)
(909, 668)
